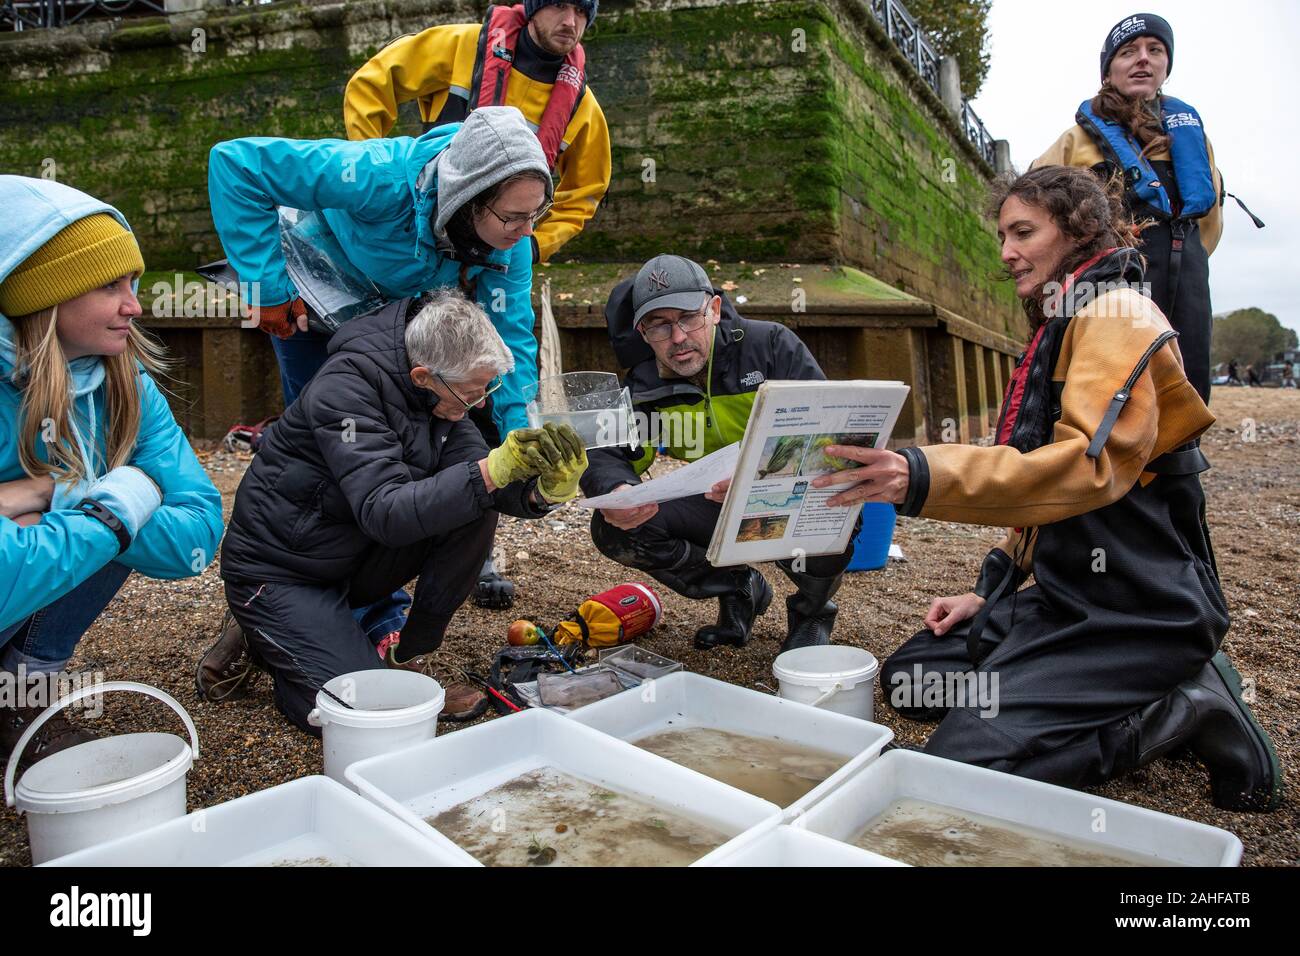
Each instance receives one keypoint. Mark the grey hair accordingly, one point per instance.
(454, 336)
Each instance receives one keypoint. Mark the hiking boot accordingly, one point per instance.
(57, 733)
(737, 611)
(492, 590)
(810, 612)
(226, 671)
(1207, 715)
(463, 700)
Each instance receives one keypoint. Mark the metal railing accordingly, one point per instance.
(906, 34)
(977, 133)
(44, 14)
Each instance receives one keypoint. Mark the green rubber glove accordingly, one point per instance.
(517, 458)
(565, 461)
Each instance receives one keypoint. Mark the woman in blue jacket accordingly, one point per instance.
(96, 478)
(445, 210)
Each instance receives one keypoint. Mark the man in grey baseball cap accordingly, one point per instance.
(670, 282)
(667, 285)
(694, 366)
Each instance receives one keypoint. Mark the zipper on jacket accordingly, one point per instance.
(1122, 396)
(709, 417)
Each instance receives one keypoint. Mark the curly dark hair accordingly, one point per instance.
(1135, 115)
(1090, 213)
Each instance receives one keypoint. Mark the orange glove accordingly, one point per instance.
(281, 320)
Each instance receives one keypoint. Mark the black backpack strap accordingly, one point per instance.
(1259, 223)
(1122, 396)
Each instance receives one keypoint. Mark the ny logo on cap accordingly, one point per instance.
(659, 280)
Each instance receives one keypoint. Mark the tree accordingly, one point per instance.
(958, 28)
(1251, 336)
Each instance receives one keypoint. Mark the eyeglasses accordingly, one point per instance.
(510, 222)
(690, 322)
(492, 387)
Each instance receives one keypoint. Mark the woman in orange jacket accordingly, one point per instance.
(1111, 657)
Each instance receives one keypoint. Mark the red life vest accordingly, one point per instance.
(496, 57)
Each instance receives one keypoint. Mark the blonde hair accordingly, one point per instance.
(42, 374)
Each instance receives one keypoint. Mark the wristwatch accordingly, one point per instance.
(91, 507)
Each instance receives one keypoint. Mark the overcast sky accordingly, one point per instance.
(1237, 63)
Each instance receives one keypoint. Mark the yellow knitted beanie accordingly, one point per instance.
(85, 255)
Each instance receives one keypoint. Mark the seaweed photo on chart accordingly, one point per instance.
(817, 462)
(781, 456)
(767, 528)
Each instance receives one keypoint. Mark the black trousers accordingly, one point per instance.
(1079, 651)
(1187, 308)
(305, 634)
(661, 544)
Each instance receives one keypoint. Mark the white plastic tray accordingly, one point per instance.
(789, 846)
(1071, 813)
(428, 778)
(308, 819)
(683, 700)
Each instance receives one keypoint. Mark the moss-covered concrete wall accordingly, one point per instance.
(777, 130)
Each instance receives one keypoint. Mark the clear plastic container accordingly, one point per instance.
(594, 404)
(639, 663)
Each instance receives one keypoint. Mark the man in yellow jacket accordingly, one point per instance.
(527, 56)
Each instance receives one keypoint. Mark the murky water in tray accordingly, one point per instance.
(928, 834)
(775, 770)
(546, 817)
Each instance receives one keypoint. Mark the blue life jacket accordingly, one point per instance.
(1191, 160)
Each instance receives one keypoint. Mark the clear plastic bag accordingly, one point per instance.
(578, 689)
(324, 277)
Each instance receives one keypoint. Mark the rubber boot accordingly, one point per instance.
(742, 593)
(1208, 716)
(737, 610)
(493, 591)
(810, 612)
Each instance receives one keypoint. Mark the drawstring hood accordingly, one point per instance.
(493, 144)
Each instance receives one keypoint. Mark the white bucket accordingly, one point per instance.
(390, 710)
(101, 789)
(833, 676)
